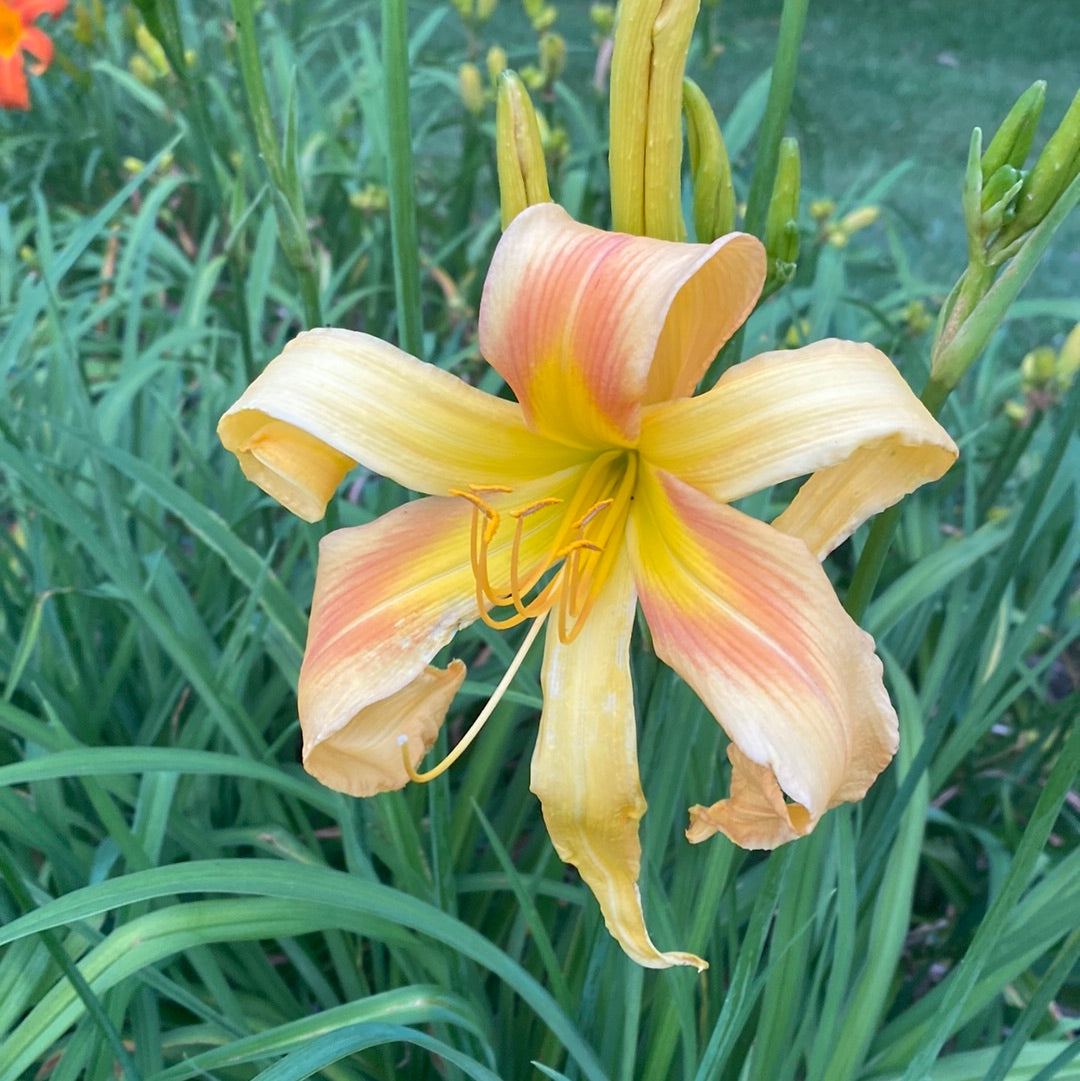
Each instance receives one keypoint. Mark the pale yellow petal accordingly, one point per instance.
(584, 769)
(837, 407)
(748, 618)
(337, 397)
(364, 757)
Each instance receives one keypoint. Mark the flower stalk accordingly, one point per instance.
(282, 162)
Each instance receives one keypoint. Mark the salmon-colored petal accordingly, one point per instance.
(31, 9)
(336, 397)
(834, 406)
(756, 815)
(587, 325)
(14, 93)
(388, 596)
(36, 42)
(584, 768)
(747, 617)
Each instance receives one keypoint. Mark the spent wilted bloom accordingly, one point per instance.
(604, 484)
(18, 35)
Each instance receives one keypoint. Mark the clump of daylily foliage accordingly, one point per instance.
(629, 485)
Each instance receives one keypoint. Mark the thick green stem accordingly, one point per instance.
(395, 43)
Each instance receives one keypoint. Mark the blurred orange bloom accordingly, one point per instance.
(19, 35)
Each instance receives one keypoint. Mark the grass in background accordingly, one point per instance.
(180, 900)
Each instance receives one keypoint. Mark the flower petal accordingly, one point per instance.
(748, 618)
(14, 93)
(364, 757)
(587, 325)
(756, 815)
(337, 397)
(834, 406)
(31, 9)
(388, 596)
(37, 43)
(584, 768)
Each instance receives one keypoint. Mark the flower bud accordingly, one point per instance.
(645, 147)
(552, 49)
(541, 15)
(997, 186)
(471, 87)
(83, 30)
(519, 151)
(1068, 360)
(484, 9)
(1037, 368)
(151, 48)
(782, 220)
(602, 17)
(142, 69)
(1012, 142)
(710, 170)
(496, 62)
(1051, 174)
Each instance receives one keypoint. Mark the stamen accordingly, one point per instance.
(481, 720)
(592, 512)
(587, 559)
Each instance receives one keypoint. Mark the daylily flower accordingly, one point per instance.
(18, 35)
(604, 484)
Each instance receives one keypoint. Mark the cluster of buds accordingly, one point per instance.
(1002, 202)
(1046, 374)
(474, 12)
(540, 14)
(149, 63)
(1010, 214)
(89, 22)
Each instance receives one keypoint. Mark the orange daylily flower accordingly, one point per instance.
(19, 35)
(603, 485)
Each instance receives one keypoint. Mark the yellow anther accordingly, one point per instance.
(490, 489)
(577, 546)
(592, 512)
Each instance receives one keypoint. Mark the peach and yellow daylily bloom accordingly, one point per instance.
(604, 484)
(19, 35)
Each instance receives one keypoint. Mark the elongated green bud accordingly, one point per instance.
(518, 150)
(1012, 141)
(782, 220)
(710, 170)
(1052, 172)
(997, 186)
